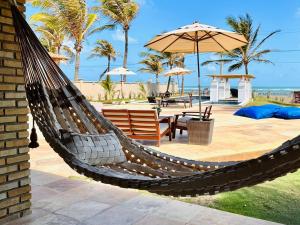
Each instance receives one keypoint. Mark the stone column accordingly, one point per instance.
(14, 166)
(214, 92)
(222, 87)
(227, 89)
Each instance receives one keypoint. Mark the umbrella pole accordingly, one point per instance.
(199, 84)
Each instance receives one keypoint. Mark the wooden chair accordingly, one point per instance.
(140, 124)
(182, 119)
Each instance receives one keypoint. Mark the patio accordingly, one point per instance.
(61, 196)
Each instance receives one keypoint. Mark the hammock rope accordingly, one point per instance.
(70, 124)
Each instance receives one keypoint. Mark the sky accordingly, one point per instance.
(157, 16)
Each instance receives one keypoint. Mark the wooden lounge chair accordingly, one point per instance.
(186, 101)
(140, 124)
(182, 119)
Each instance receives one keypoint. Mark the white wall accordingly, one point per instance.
(94, 91)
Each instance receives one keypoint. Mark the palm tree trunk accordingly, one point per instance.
(169, 80)
(108, 63)
(58, 52)
(157, 83)
(125, 51)
(246, 68)
(182, 85)
(77, 64)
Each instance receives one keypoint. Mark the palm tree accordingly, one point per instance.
(153, 65)
(75, 19)
(249, 53)
(104, 49)
(109, 88)
(181, 64)
(120, 12)
(170, 60)
(52, 33)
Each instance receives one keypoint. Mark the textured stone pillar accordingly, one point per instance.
(222, 88)
(227, 89)
(14, 166)
(214, 90)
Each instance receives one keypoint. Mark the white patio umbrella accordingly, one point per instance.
(197, 38)
(121, 71)
(176, 71)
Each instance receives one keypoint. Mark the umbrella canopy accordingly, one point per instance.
(197, 38)
(120, 71)
(58, 58)
(177, 71)
(185, 39)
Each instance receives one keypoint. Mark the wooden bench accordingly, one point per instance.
(140, 124)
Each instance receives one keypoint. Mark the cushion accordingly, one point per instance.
(258, 112)
(182, 121)
(97, 149)
(288, 113)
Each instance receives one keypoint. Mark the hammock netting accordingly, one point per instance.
(94, 147)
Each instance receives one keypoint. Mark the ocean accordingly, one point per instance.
(276, 91)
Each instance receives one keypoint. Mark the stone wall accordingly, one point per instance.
(93, 90)
(14, 166)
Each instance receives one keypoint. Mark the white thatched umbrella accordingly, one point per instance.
(197, 38)
(121, 71)
(176, 71)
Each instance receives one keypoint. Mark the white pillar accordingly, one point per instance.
(214, 92)
(221, 89)
(227, 89)
(245, 91)
(249, 89)
(241, 90)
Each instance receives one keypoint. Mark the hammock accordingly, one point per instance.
(94, 147)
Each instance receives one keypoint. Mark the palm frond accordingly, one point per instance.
(235, 66)
(264, 39)
(102, 28)
(217, 61)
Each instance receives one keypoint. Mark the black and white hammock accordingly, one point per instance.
(94, 147)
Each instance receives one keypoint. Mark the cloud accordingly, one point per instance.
(144, 2)
(211, 68)
(298, 12)
(119, 36)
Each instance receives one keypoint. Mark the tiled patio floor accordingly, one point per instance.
(62, 197)
(63, 201)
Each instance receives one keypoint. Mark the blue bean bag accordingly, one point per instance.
(258, 112)
(288, 113)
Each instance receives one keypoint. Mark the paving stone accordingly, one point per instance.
(117, 215)
(178, 211)
(157, 220)
(64, 185)
(83, 210)
(212, 216)
(54, 219)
